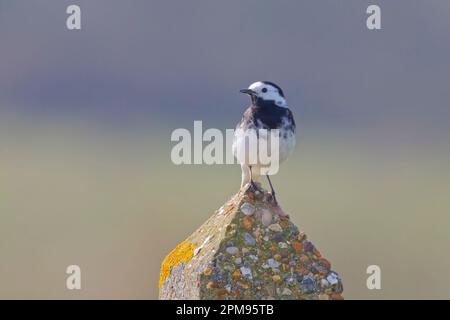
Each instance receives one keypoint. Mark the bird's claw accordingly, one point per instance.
(253, 188)
(273, 199)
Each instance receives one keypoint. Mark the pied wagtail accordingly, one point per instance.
(268, 110)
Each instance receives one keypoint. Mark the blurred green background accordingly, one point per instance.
(115, 205)
(86, 118)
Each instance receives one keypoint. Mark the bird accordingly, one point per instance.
(268, 110)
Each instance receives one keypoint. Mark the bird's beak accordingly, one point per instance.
(248, 91)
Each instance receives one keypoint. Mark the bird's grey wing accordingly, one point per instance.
(247, 121)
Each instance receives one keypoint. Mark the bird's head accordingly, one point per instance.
(265, 93)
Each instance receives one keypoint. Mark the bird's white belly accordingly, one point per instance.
(242, 147)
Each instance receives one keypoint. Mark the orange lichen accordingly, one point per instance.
(297, 246)
(211, 285)
(247, 223)
(183, 253)
(221, 293)
(207, 272)
(236, 274)
(243, 285)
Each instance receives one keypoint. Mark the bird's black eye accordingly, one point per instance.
(264, 90)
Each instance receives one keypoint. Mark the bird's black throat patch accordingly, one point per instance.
(270, 116)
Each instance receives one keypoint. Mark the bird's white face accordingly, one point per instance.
(269, 92)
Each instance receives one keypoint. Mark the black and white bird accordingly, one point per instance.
(269, 110)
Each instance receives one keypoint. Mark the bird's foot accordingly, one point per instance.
(273, 199)
(253, 187)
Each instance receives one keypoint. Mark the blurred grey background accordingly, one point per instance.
(86, 118)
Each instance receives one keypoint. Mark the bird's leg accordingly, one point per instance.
(252, 183)
(272, 191)
(253, 187)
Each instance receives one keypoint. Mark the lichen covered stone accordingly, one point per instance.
(183, 253)
(248, 249)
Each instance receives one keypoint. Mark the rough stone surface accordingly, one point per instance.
(248, 249)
